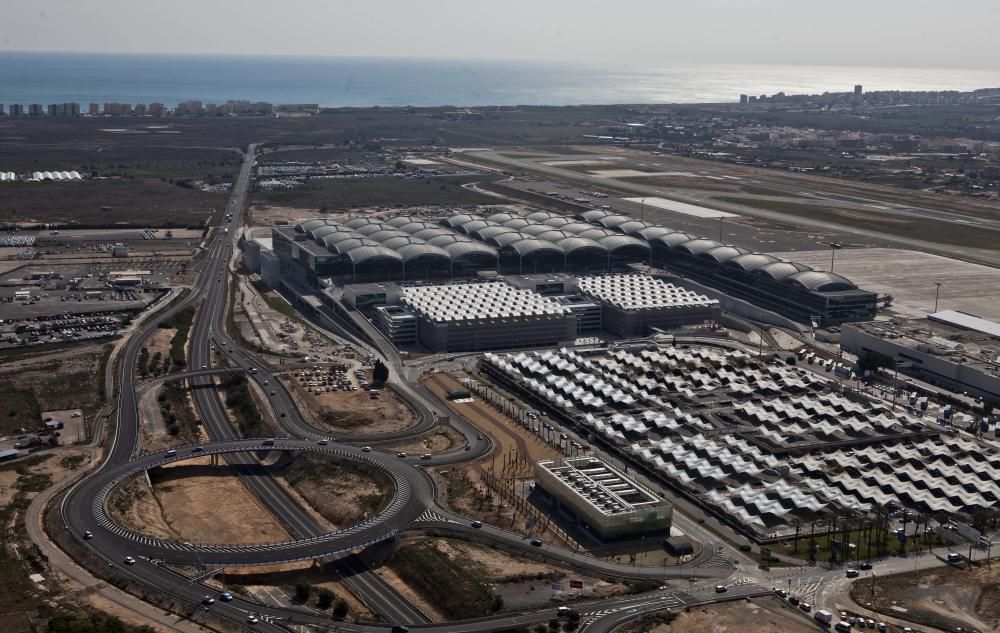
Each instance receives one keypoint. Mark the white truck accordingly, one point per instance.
(823, 617)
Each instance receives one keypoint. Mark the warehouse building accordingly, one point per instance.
(793, 290)
(482, 316)
(950, 349)
(602, 499)
(632, 305)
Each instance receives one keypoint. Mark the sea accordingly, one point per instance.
(358, 82)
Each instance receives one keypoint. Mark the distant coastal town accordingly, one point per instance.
(156, 109)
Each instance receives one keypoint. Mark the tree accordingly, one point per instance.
(324, 598)
(302, 590)
(340, 609)
(380, 373)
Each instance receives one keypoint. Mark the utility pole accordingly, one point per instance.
(937, 294)
(721, 220)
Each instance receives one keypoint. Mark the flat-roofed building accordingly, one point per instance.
(398, 324)
(483, 316)
(633, 304)
(603, 499)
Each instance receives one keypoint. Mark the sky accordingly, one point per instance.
(914, 33)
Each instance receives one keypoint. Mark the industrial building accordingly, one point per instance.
(951, 349)
(492, 315)
(602, 499)
(632, 305)
(788, 288)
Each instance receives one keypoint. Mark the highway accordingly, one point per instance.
(413, 509)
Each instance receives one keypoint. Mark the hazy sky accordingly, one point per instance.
(641, 32)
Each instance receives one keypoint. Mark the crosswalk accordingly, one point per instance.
(431, 515)
(720, 557)
(805, 587)
(668, 601)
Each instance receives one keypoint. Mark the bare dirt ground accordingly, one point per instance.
(763, 615)
(442, 440)
(353, 411)
(208, 504)
(947, 598)
(132, 505)
(159, 341)
(343, 494)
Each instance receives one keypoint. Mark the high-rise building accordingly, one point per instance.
(858, 88)
(157, 109)
(1, 109)
(16, 109)
(744, 99)
(94, 109)
(139, 109)
(36, 109)
(188, 108)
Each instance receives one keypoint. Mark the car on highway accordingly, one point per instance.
(852, 573)
(272, 392)
(865, 566)
(266, 382)
(129, 560)
(225, 596)
(401, 455)
(268, 443)
(87, 535)
(322, 442)
(197, 449)
(399, 628)
(366, 449)
(479, 437)
(477, 524)
(721, 589)
(171, 452)
(425, 456)
(805, 606)
(283, 414)
(253, 619)
(536, 542)
(207, 600)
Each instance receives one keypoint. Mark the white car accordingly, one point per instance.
(129, 560)
(252, 619)
(366, 449)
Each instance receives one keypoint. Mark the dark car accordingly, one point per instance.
(536, 542)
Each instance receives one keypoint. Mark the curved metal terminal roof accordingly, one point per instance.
(535, 247)
(780, 270)
(698, 246)
(574, 245)
(632, 227)
(540, 216)
(722, 254)
(751, 261)
(611, 221)
(593, 215)
(506, 239)
(368, 253)
(819, 281)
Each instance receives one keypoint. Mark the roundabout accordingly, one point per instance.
(406, 505)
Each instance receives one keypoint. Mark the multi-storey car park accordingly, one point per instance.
(768, 446)
(602, 499)
(491, 315)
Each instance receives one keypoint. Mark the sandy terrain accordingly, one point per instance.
(767, 615)
(269, 582)
(353, 411)
(498, 566)
(442, 440)
(208, 504)
(947, 598)
(132, 505)
(159, 341)
(340, 493)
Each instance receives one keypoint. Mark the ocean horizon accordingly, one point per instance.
(28, 77)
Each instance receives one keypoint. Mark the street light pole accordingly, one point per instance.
(937, 294)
